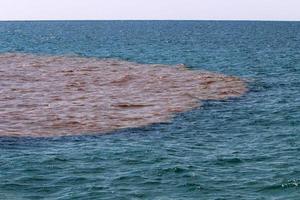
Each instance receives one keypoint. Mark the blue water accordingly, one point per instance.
(243, 148)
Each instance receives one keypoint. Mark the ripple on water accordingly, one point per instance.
(294, 183)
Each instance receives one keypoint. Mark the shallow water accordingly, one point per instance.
(241, 148)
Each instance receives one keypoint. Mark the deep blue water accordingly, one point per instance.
(243, 148)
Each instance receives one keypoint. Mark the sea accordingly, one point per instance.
(240, 148)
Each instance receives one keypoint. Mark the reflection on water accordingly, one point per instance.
(61, 95)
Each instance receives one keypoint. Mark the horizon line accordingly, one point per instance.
(237, 20)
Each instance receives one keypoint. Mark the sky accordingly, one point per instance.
(150, 9)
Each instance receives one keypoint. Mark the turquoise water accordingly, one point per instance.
(243, 148)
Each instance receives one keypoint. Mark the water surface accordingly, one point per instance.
(241, 148)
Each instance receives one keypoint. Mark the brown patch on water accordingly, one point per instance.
(60, 95)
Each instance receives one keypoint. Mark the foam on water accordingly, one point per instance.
(62, 95)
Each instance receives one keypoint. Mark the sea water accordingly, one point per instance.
(241, 148)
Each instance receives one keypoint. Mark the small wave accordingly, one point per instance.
(232, 161)
(284, 185)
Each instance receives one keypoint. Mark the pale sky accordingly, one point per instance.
(150, 9)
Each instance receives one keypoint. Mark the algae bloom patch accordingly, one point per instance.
(63, 95)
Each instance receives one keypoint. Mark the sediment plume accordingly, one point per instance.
(64, 95)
